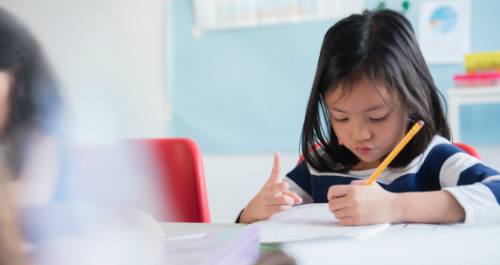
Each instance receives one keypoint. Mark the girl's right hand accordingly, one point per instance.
(274, 197)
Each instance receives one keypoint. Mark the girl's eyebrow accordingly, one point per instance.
(371, 108)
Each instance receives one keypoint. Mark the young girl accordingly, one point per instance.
(371, 85)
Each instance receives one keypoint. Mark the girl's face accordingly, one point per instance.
(5, 85)
(368, 121)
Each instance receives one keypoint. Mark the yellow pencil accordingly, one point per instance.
(414, 130)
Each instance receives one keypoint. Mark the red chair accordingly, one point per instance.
(468, 149)
(181, 179)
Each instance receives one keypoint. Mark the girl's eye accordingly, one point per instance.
(378, 119)
(340, 119)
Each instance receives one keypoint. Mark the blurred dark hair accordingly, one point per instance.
(381, 46)
(34, 99)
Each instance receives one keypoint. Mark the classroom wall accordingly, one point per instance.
(109, 56)
(245, 90)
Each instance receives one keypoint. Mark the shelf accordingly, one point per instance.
(468, 96)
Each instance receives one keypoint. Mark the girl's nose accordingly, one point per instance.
(361, 132)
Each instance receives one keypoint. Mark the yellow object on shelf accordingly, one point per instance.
(482, 61)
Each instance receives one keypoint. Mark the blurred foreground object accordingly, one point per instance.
(10, 241)
(30, 105)
(61, 202)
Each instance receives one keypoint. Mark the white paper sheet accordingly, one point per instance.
(311, 221)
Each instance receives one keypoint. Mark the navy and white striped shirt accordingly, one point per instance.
(474, 185)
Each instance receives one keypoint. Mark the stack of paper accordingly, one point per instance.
(228, 246)
(311, 221)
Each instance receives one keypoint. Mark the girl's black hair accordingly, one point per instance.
(379, 45)
(34, 99)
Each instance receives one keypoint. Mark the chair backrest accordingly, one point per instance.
(468, 149)
(181, 179)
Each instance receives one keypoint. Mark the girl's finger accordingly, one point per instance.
(343, 213)
(297, 199)
(275, 173)
(358, 182)
(280, 187)
(338, 203)
(337, 191)
(278, 208)
(282, 200)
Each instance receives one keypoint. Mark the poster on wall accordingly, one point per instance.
(445, 31)
(229, 14)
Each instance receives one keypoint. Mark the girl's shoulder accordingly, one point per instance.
(438, 146)
(441, 147)
(437, 153)
(438, 140)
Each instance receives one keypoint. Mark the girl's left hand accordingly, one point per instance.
(360, 204)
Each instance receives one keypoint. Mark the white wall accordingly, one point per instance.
(109, 55)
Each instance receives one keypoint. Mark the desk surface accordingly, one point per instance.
(400, 244)
(417, 245)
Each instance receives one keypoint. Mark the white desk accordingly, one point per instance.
(468, 96)
(400, 244)
(418, 245)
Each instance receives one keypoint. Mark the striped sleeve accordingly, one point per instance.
(299, 180)
(473, 184)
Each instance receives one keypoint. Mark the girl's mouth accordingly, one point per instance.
(363, 150)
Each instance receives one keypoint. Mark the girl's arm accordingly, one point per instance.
(360, 204)
(475, 203)
(427, 207)
(474, 185)
(464, 190)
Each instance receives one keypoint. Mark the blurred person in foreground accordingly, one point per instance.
(10, 241)
(29, 99)
(29, 104)
(33, 163)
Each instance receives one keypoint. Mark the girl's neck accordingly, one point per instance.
(362, 165)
